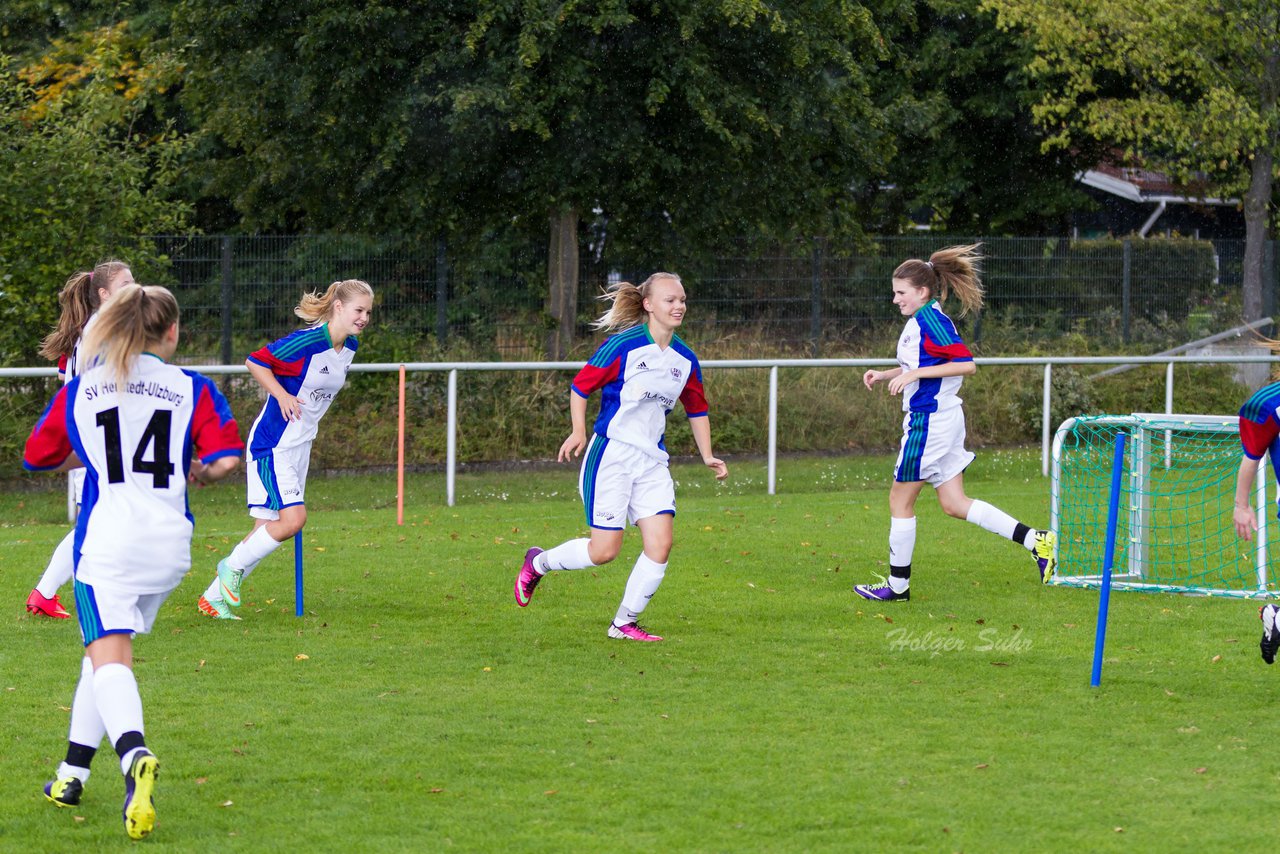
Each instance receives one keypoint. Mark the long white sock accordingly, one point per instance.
(87, 727)
(61, 565)
(247, 554)
(116, 692)
(568, 555)
(902, 541)
(992, 519)
(645, 578)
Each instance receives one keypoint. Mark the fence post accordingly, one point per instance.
(442, 291)
(228, 294)
(815, 301)
(773, 428)
(1045, 418)
(1127, 265)
(451, 437)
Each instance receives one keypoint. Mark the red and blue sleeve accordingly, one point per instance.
(594, 377)
(49, 444)
(291, 365)
(214, 431)
(693, 398)
(1257, 438)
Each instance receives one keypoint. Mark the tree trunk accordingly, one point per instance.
(1257, 200)
(562, 274)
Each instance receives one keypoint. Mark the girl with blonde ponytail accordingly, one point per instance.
(143, 427)
(80, 298)
(301, 373)
(932, 360)
(641, 372)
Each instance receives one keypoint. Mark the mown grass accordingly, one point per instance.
(415, 707)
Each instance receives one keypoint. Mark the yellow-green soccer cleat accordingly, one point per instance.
(64, 791)
(139, 787)
(1045, 552)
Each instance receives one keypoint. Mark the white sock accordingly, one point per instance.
(902, 542)
(645, 578)
(87, 727)
(992, 519)
(116, 691)
(65, 770)
(568, 555)
(60, 567)
(249, 553)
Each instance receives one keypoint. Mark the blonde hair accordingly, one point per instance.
(317, 308)
(627, 300)
(78, 300)
(956, 269)
(137, 317)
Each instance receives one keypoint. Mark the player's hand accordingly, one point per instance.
(898, 383)
(1246, 522)
(197, 473)
(717, 465)
(572, 447)
(871, 377)
(290, 407)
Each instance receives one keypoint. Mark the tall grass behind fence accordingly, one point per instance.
(819, 297)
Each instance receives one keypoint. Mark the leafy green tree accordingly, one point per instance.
(78, 182)
(642, 120)
(1187, 86)
(969, 150)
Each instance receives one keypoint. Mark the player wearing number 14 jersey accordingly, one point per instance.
(139, 426)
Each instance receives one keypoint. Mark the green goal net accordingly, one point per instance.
(1174, 529)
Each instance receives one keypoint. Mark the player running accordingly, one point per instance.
(302, 372)
(640, 372)
(133, 421)
(80, 298)
(932, 360)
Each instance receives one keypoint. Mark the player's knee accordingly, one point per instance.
(956, 509)
(603, 552)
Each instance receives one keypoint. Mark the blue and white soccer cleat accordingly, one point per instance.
(881, 592)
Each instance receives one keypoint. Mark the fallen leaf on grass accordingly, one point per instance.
(982, 765)
(551, 792)
(1216, 659)
(227, 803)
(302, 656)
(1201, 770)
(200, 781)
(435, 791)
(999, 664)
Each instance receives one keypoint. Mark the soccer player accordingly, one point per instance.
(640, 372)
(932, 360)
(301, 373)
(80, 298)
(1259, 435)
(133, 421)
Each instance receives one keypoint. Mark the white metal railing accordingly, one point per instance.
(454, 368)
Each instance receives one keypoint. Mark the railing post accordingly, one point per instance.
(451, 438)
(773, 429)
(1044, 419)
(1168, 388)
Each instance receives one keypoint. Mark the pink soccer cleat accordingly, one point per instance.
(632, 631)
(528, 578)
(42, 607)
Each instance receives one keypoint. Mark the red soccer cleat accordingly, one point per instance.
(43, 607)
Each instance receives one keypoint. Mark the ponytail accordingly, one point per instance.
(136, 318)
(78, 300)
(627, 303)
(956, 269)
(317, 308)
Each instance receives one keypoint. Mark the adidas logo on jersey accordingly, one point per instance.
(642, 367)
(325, 369)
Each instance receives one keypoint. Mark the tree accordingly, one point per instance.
(968, 148)
(1187, 86)
(79, 180)
(655, 118)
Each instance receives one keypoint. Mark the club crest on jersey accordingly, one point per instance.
(675, 373)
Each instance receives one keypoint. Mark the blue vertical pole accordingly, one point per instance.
(1104, 598)
(297, 574)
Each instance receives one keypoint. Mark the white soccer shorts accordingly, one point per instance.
(932, 447)
(103, 609)
(278, 480)
(619, 484)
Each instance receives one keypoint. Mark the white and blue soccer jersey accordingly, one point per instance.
(309, 368)
(640, 383)
(136, 443)
(930, 338)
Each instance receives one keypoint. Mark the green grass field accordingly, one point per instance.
(416, 708)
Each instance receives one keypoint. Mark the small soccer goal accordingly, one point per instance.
(1174, 529)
